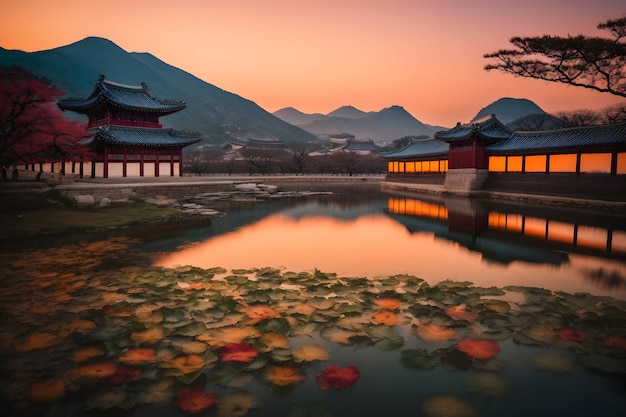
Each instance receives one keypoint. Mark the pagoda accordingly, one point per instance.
(124, 132)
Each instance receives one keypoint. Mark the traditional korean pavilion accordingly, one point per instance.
(588, 162)
(125, 134)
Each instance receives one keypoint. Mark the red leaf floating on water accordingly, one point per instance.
(193, 400)
(572, 335)
(333, 376)
(479, 348)
(239, 352)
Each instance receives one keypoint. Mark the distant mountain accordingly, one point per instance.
(388, 124)
(212, 111)
(347, 112)
(296, 117)
(508, 110)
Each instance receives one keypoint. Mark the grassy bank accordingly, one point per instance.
(51, 220)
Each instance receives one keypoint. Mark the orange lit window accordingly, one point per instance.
(514, 164)
(433, 166)
(595, 162)
(409, 167)
(497, 163)
(618, 243)
(561, 232)
(621, 163)
(401, 167)
(395, 166)
(535, 227)
(535, 163)
(563, 163)
(443, 165)
(591, 237)
(390, 166)
(418, 167)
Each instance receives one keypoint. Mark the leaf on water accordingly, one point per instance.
(88, 352)
(284, 375)
(236, 404)
(138, 356)
(541, 333)
(448, 406)
(387, 303)
(220, 337)
(310, 353)
(185, 364)
(95, 370)
(489, 385)
(385, 338)
(434, 333)
(151, 335)
(552, 362)
(461, 313)
(337, 335)
(194, 400)
(419, 359)
(272, 340)
(479, 348)
(386, 318)
(230, 377)
(46, 390)
(38, 341)
(339, 378)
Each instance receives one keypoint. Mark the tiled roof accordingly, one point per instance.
(562, 139)
(359, 145)
(257, 143)
(419, 148)
(125, 96)
(129, 136)
(490, 129)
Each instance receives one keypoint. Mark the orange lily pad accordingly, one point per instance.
(386, 317)
(434, 333)
(239, 352)
(388, 303)
(88, 352)
(151, 335)
(138, 356)
(187, 364)
(194, 400)
(96, 370)
(38, 341)
(284, 375)
(48, 390)
(309, 353)
(479, 348)
(461, 313)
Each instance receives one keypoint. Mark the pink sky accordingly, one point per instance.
(426, 56)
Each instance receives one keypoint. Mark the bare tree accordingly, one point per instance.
(614, 114)
(583, 117)
(589, 62)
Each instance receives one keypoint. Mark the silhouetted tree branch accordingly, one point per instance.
(590, 62)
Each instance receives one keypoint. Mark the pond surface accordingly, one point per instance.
(351, 304)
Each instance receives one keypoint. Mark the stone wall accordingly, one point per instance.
(465, 180)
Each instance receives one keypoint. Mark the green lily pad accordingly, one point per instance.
(419, 359)
(230, 377)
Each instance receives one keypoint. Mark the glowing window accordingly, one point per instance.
(443, 164)
(618, 244)
(563, 163)
(497, 163)
(592, 237)
(595, 162)
(621, 163)
(535, 227)
(418, 167)
(514, 164)
(560, 232)
(535, 163)
(409, 167)
(390, 166)
(433, 166)
(395, 166)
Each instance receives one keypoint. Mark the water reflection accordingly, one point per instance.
(435, 238)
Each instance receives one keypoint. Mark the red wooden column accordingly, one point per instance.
(172, 152)
(180, 162)
(141, 161)
(156, 164)
(105, 172)
(613, 163)
(124, 172)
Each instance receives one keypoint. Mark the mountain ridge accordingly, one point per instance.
(212, 111)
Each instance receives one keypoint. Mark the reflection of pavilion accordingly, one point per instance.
(506, 233)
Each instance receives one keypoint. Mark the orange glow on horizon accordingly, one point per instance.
(318, 56)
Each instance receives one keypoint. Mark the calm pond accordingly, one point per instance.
(357, 303)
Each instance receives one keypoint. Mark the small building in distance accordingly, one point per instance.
(125, 134)
(586, 162)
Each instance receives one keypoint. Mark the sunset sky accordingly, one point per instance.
(316, 56)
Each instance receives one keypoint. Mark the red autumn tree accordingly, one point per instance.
(32, 128)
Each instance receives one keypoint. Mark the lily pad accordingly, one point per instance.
(419, 359)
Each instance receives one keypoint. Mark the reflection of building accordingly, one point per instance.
(583, 161)
(125, 133)
(506, 233)
(348, 144)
